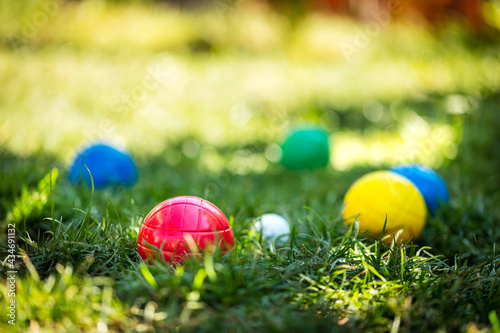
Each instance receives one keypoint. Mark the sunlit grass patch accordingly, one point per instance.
(65, 301)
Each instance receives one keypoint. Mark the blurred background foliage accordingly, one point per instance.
(151, 75)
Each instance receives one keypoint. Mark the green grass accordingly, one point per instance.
(87, 269)
(209, 130)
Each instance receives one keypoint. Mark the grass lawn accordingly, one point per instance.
(202, 100)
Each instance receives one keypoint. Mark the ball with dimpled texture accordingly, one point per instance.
(429, 183)
(273, 227)
(306, 149)
(107, 165)
(384, 193)
(183, 227)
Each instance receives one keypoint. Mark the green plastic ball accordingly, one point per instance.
(306, 149)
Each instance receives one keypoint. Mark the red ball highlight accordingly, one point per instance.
(183, 227)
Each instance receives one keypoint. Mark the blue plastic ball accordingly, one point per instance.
(429, 183)
(107, 165)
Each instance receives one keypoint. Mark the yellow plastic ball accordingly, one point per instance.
(378, 193)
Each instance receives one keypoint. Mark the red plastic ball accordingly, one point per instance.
(181, 227)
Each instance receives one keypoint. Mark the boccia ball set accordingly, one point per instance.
(273, 227)
(183, 227)
(396, 201)
(107, 165)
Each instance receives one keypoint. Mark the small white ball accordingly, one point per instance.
(273, 226)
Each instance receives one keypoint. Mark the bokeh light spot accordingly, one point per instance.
(373, 110)
(273, 153)
(191, 148)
